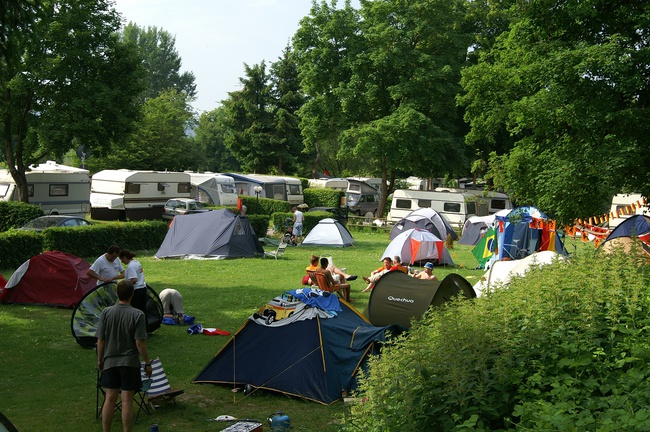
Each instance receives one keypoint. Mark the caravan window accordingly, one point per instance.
(184, 187)
(294, 189)
(424, 203)
(4, 188)
(58, 190)
(471, 207)
(451, 207)
(132, 188)
(30, 190)
(228, 188)
(498, 204)
(403, 203)
(278, 192)
(354, 188)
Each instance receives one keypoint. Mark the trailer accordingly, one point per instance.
(213, 188)
(58, 189)
(329, 182)
(275, 187)
(135, 195)
(626, 205)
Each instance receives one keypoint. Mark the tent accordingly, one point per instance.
(424, 218)
(501, 272)
(397, 298)
(416, 245)
(474, 229)
(6, 425)
(525, 230)
(86, 315)
(622, 235)
(315, 358)
(52, 278)
(329, 232)
(215, 234)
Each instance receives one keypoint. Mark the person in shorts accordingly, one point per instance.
(121, 340)
(297, 225)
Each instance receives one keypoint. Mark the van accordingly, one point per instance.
(58, 189)
(361, 198)
(621, 208)
(455, 206)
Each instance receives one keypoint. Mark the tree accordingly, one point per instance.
(160, 59)
(210, 141)
(64, 76)
(569, 84)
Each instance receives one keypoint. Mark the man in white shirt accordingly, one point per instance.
(107, 267)
(297, 224)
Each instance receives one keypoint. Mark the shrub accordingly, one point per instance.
(310, 220)
(563, 348)
(323, 197)
(260, 224)
(16, 214)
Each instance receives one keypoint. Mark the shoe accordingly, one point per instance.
(366, 279)
(351, 278)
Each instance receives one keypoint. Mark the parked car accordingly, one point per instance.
(182, 206)
(340, 214)
(44, 222)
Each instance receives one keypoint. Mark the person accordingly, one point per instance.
(172, 303)
(107, 267)
(339, 275)
(378, 273)
(427, 273)
(121, 340)
(397, 265)
(341, 287)
(135, 274)
(288, 236)
(297, 225)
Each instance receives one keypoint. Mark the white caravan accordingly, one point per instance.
(135, 195)
(332, 183)
(622, 203)
(274, 187)
(58, 189)
(212, 188)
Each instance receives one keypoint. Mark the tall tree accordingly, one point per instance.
(63, 76)
(211, 143)
(160, 59)
(570, 82)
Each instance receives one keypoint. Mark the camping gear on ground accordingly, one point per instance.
(415, 245)
(52, 278)
(398, 298)
(500, 272)
(244, 426)
(279, 422)
(329, 232)
(314, 354)
(159, 390)
(216, 234)
(6, 425)
(425, 218)
(474, 229)
(85, 316)
(634, 226)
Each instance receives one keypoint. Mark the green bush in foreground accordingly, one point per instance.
(565, 348)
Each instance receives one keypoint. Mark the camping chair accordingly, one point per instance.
(160, 390)
(139, 397)
(278, 252)
(324, 285)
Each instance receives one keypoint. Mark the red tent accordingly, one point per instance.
(52, 278)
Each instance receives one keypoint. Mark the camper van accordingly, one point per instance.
(273, 187)
(455, 206)
(58, 189)
(622, 203)
(135, 195)
(212, 188)
(361, 198)
(332, 183)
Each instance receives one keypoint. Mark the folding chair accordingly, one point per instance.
(139, 397)
(160, 390)
(278, 252)
(343, 290)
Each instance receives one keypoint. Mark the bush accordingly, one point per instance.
(323, 197)
(16, 214)
(563, 348)
(260, 224)
(310, 220)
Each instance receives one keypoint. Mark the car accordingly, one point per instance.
(182, 206)
(44, 222)
(340, 214)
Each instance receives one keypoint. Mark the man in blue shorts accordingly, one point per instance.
(121, 339)
(297, 225)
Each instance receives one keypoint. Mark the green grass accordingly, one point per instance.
(47, 381)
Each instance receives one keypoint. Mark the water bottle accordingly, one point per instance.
(279, 422)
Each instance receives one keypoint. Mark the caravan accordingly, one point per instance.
(135, 195)
(211, 188)
(58, 189)
(455, 206)
(274, 187)
(332, 183)
(626, 205)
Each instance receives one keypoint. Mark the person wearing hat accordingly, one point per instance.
(427, 273)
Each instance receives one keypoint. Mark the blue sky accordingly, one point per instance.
(216, 37)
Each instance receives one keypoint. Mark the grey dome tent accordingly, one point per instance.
(329, 232)
(216, 234)
(424, 218)
(474, 229)
(86, 315)
(397, 298)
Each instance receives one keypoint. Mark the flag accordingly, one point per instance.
(485, 247)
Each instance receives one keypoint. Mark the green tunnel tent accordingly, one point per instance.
(398, 298)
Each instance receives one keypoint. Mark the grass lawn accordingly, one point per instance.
(47, 381)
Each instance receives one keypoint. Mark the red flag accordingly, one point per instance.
(440, 246)
(415, 247)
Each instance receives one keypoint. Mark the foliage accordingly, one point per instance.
(563, 348)
(564, 83)
(209, 140)
(16, 214)
(264, 206)
(65, 80)
(310, 220)
(16, 247)
(323, 197)
(260, 224)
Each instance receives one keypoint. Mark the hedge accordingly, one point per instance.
(16, 214)
(323, 197)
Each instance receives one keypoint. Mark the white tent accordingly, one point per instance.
(501, 272)
(425, 218)
(329, 232)
(418, 244)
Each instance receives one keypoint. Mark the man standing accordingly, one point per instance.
(107, 268)
(297, 224)
(121, 338)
